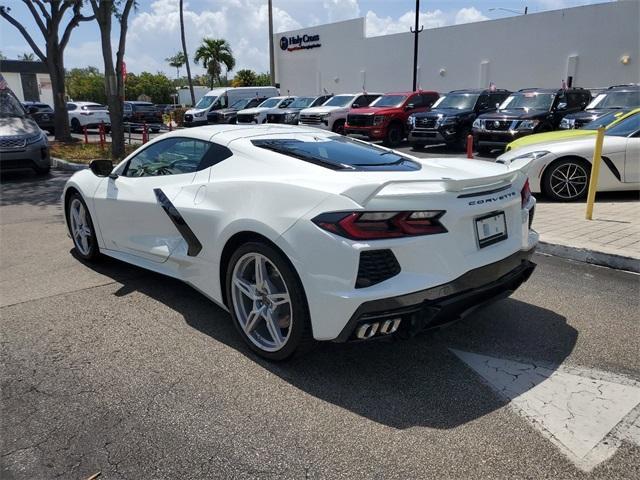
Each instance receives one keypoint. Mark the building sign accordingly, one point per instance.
(300, 42)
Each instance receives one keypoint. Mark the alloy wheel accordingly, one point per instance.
(80, 227)
(261, 302)
(568, 181)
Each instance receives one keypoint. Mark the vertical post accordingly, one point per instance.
(469, 146)
(272, 60)
(145, 133)
(102, 135)
(595, 173)
(86, 137)
(170, 121)
(416, 32)
(129, 133)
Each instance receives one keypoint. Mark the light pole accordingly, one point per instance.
(526, 10)
(272, 65)
(416, 32)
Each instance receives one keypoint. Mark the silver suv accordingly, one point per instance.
(22, 144)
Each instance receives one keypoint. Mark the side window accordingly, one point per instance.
(497, 98)
(172, 156)
(71, 107)
(224, 101)
(430, 98)
(573, 100)
(286, 103)
(365, 100)
(416, 100)
(484, 102)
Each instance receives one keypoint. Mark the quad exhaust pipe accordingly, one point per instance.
(368, 330)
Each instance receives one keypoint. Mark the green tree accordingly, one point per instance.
(86, 84)
(263, 80)
(177, 61)
(2, 56)
(157, 86)
(27, 57)
(214, 54)
(244, 78)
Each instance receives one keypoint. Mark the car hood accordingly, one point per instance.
(444, 112)
(322, 110)
(514, 115)
(581, 145)
(255, 110)
(225, 111)
(374, 110)
(14, 126)
(592, 114)
(193, 111)
(287, 110)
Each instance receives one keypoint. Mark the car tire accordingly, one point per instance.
(75, 125)
(394, 135)
(338, 127)
(566, 180)
(81, 228)
(280, 330)
(417, 146)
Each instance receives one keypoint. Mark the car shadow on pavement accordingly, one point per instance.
(401, 384)
(23, 187)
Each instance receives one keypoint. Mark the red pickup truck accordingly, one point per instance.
(386, 117)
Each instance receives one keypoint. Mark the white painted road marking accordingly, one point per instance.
(575, 408)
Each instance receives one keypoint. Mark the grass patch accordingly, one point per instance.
(84, 152)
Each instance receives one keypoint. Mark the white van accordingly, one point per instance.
(222, 98)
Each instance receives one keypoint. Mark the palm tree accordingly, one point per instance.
(176, 61)
(27, 57)
(244, 78)
(186, 55)
(214, 53)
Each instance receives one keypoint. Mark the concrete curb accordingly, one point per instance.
(65, 165)
(593, 257)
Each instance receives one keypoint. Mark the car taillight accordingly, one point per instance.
(377, 225)
(525, 194)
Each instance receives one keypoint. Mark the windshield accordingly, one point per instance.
(9, 105)
(459, 101)
(339, 153)
(302, 102)
(270, 102)
(339, 101)
(602, 121)
(528, 101)
(240, 104)
(206, 101)
(616, 100)
(388, 101)
(626, 127)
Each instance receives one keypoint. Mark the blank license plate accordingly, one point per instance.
(491, 228)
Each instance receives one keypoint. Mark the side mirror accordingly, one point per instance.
(410, 106)
(497, 106)
(101, 168)
(356, 105)
(562, 106)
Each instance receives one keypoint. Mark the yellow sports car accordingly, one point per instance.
(609, 120)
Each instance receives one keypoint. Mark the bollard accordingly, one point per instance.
(595, 173)
(129, 125)
(86, 137)
(170, 122)
(469, 146)
(103, 135)
(145, 133)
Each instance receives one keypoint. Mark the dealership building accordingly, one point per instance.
(592, 46)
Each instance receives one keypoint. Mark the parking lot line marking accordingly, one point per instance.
(586, 413)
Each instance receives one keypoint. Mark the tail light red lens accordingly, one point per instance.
(378, 225)
(525, 193)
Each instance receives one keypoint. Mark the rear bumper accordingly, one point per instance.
(445, 303)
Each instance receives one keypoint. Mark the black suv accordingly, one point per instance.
(229, 115)
(451, 117)
(532, 110)
(292, 112)
(142, 112)
(42, 114)
(619, 97)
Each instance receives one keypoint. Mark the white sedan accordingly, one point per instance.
(561, 169)
(87, 114)
(303, 234)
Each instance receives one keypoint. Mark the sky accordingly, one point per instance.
(154, 28)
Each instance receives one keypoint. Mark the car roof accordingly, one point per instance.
(137, 102)
(551, 90)
(480, 90)
(85, 103)
(410, 93)
(622, 88)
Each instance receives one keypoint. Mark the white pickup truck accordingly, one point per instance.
(333, 114)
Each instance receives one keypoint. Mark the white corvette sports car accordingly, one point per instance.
(303, 234)
(561, 169)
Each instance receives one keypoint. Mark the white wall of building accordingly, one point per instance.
(15, 83)
(535, 50)
(44, 86)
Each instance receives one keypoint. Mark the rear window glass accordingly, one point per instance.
(339, 153)
(94, 107)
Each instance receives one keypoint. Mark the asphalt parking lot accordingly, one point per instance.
(108, 368)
